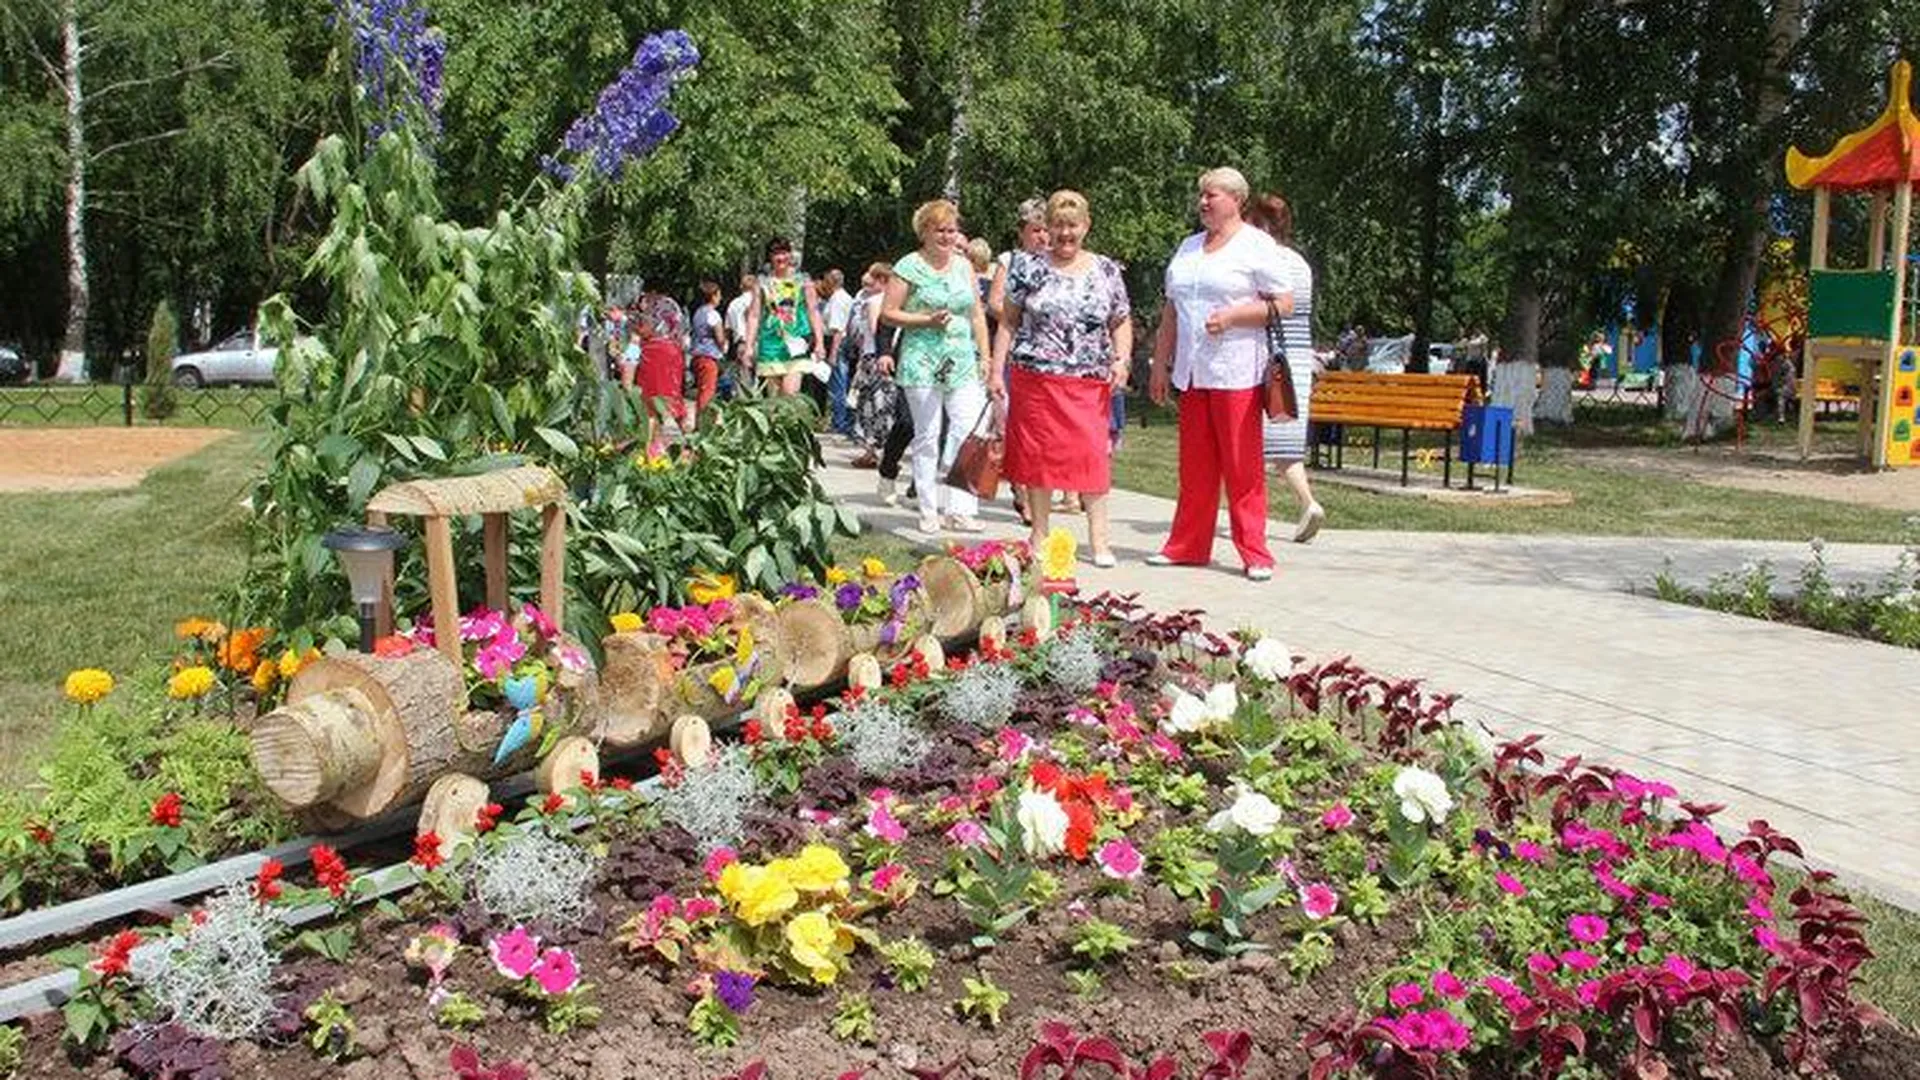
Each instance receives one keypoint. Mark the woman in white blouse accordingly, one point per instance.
(1212, 347)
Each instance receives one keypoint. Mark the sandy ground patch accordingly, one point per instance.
(1838, 479)
(92, 459)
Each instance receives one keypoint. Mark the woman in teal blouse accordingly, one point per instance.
(942, 361)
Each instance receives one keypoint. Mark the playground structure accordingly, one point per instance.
(1858, 332)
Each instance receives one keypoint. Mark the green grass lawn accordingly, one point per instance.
(97, 579)
(1607, 500)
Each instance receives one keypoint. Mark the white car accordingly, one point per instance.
(239, 359)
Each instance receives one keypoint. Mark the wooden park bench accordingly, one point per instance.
(1407, 402)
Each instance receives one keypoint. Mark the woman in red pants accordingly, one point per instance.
(1212, 347)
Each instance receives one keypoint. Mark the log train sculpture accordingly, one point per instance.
(359, 735)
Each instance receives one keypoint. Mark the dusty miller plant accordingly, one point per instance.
(881, 740)
(1075, 662)
(712, 801)
(216, 978)
(534, 876)
(983, 696)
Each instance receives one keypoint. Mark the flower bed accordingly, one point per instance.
(1887, 611)
(1136, 841)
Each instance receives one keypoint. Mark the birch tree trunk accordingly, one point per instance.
(962, 98)
(73, 344)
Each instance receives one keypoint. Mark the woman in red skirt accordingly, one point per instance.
(1062, 349)
(663, 373)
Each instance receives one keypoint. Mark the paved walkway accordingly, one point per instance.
(1818, 734)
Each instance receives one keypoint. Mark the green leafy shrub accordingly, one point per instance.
(156, 396)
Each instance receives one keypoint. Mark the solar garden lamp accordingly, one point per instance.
(366, 554)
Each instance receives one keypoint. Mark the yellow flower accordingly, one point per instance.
(626, 622)
(291, 662)
(706, 587)
(837, 576)
(190, 682)
(1057, 555)
(263, 677)
(743, 651)
(818, 945)
(757, 893)
(817, 869)
(88, 685)
(873, 567)
(724, 681)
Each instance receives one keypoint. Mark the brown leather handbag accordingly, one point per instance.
(1282, 401)
(976, 467)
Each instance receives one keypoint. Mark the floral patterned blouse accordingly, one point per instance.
(1066, 320)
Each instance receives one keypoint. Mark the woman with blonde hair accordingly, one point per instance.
(1286, 440)
(1060, 353)
(1212, 346)
(942, 360)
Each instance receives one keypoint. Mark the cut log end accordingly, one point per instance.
(953, 594)
(633, 689)
(814, 641)
(312, 750)
(1037, 615)
(930, 650)
(770, 708)
(452, 808)
(571, 763)
(691, 740)
(993, 632)
(863, 671)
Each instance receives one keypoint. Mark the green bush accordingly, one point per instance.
(156, 397)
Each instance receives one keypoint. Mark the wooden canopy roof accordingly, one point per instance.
(1884, 154)
(488, 493)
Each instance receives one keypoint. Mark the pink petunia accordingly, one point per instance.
(1680, 967)
(718, 860)
(1319, 900)
(1588, 992)
(1405, 995)
(1757, 908)
(1541, 964)
(1166, 747)
(1750, 872)
(883, 826)
(1447, 984)
(1587, 929)
(557, 973)
(1657, 901)
(1508, 883)
(1120, 860)
(1015, 744)
(695, 908)
(1530, 851)
(887, 876)
(1337, 817)
(1610, 884)
(1579, 960)
(539, 621)
(515, 953)
(966, 834)
(1768, 939)
(1501, 988)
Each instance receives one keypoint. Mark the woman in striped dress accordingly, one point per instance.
(1285, 441)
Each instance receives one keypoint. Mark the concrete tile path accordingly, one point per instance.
(1818, 734)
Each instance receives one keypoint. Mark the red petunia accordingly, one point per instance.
(1080, 824)
(589, 781)
(750, 731)
(620, 783)
(266, 884)
(1045, 775)
(822, 729)
(116, 955)
(426, 851)
(487, 817)
(166, 810)
(330, 870)
(553, 803)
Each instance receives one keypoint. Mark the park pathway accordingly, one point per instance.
(1817, 734)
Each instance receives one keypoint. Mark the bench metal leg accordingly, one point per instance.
(1406, 449)
(1446, 468)
(1376, 448)
(1513, 451)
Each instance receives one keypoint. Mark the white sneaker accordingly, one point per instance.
(1157, 559)
(1105, 560)
(1259, 573)
(1310, 523)
(887, 493)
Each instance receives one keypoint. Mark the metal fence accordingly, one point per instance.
(94, 404)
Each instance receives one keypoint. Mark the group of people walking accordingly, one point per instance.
(946, 341)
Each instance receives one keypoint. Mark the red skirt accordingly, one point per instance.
(663, 370)
(1057, 431)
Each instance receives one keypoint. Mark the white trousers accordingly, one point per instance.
(930, 456)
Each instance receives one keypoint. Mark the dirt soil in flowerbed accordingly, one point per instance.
(1158, 999)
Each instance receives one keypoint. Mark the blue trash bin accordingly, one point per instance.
(1486, 438)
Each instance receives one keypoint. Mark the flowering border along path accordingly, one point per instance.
(1138, 844)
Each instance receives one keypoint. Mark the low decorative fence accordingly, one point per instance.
(92, 404)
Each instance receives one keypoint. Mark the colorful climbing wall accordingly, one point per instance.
(1903, 427)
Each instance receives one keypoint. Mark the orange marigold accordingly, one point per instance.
(240, 652)
(203, 629)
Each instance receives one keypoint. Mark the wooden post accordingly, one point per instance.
(1877, 233)
(1883, 400)
(494, 543)
(1809, 377)
(553, 561)
(442, 589)
(383, 611)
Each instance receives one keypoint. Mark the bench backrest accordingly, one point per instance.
(1370, 399)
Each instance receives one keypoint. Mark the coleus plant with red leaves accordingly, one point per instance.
(1058, 1054)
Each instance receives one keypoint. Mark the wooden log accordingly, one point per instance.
(815, 643)
(442, 590)
(770, 708)
(954, 596)
(493, 544)
(452, 808)
(553, 562)
(864, 671)
(572, 761)
(993, 632)
(364, 734)
(1037, 615)
(691, 740)
(634, 689)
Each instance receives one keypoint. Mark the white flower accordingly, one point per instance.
(1251, 812)
(1268, 660)
(1423, 796)
(1043, 824)
(1191, 714)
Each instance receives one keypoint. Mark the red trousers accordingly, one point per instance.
(1220, 444)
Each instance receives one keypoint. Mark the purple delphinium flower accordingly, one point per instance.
(398, 62)
(904, 586)
(735, 990)
(890, 631)
(631, 118)
(848, 596)
(799, 590)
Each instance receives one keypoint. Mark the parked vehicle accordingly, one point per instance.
(1440, 357)
(240, 358)
(13, 369)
